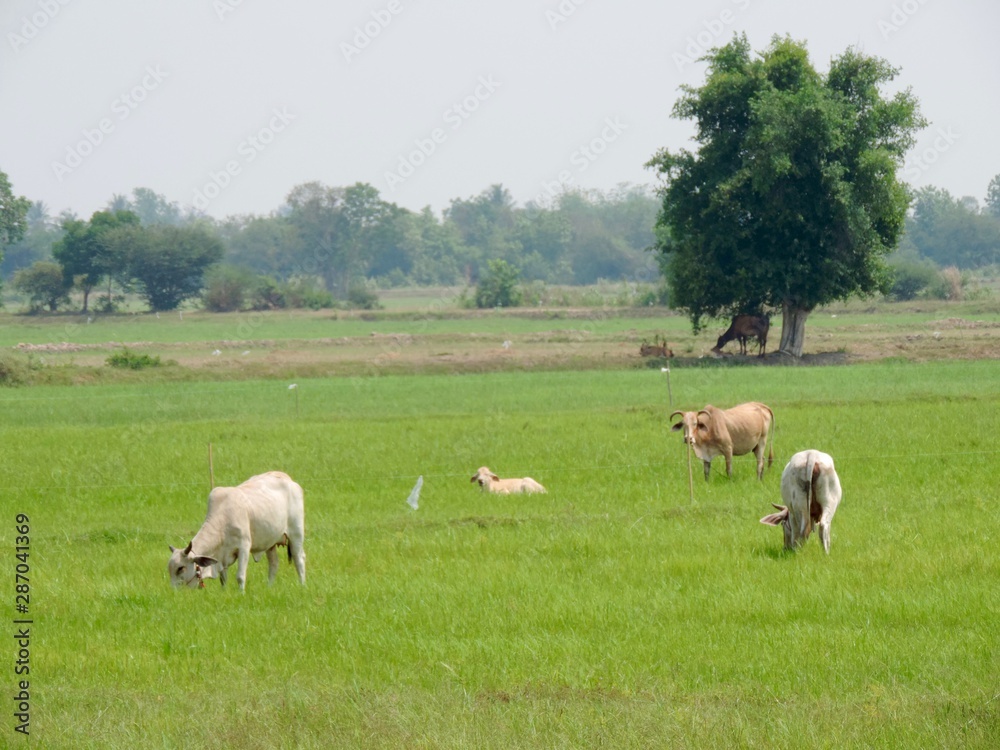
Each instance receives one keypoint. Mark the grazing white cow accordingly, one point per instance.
(811, 490)
(264, 512)
(492, 483)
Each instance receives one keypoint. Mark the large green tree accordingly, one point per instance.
(169, 263)
(792, 199)
(87, 251)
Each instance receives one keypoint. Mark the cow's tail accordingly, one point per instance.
(807, 516)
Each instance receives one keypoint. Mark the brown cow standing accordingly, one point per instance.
(746, 327)
(732, 432)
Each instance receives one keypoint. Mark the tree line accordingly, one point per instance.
(325, 244)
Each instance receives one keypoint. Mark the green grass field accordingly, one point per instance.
(613, 611)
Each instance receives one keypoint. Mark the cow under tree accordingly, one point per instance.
(731, 432)
(255, 518)
(743, 328)
(811, 490)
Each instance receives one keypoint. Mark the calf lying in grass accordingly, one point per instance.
(491, 482)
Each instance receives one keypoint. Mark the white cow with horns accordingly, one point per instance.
(811, 490)
(263, 513)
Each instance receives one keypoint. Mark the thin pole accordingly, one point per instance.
(690, 476)
(670, 393)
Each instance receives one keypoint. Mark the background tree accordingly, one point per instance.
(87, 251)
(953, 232)
(36, 243)
(13, 214)
(168, 263)
(993, 197)
(315, 213)
(44, 284)
(153, 208)
(792, 200)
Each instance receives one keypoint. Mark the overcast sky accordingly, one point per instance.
(229, 104)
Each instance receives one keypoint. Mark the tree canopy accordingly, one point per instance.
(792, 199)
(13, 214)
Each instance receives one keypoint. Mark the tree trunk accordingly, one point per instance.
(793, 328)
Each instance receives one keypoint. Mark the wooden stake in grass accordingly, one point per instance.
(295, 387)
(670, 393)
(211, 468)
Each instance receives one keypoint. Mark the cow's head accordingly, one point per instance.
(484, 476)
(696, 425)
(781, 518)
(188, 569)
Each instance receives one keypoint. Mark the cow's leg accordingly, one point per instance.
(729, 463)
(242, 561)
(758, 451)
(272, 564)
(222, 575)
(298, 557)
(708, 468)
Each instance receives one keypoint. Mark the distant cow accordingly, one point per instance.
(264, 512)
(490, 482)
(811, 490)
(746, 327)
(732, 432)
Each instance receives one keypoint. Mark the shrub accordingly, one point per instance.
(653, 297)
(360, 297)
(12, 372)
(227, 289)
(304, 293)
(911, 277)
(44, 284)
(949, 285)
(127, 359)
(499, 287)
(268, 294)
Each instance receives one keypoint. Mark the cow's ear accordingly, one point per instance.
(776, 519)
(677, 426)
(205, 561)
(474, 478)
(494, 477)
(172, 548)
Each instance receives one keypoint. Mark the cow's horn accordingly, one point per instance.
(674, 415)
(779, 507)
